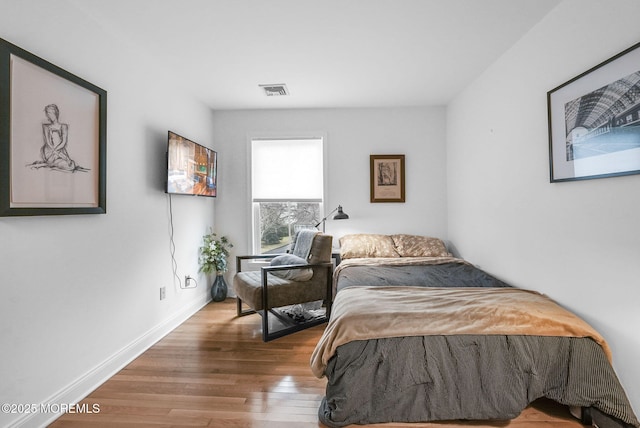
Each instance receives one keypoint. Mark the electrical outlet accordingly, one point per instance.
(187, 281)
(163, 293)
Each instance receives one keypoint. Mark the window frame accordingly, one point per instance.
(253, 221)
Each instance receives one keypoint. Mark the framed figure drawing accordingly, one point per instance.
(387, 178)
(594, 121)
(52, 138)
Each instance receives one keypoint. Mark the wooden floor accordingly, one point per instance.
(215, 371)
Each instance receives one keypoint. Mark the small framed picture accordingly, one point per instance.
(52, 138)
(594, 121)
(387, 178)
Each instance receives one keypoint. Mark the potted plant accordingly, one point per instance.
(213, 257)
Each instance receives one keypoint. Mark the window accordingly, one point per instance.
(287, 189)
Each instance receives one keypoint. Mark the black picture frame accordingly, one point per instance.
(594, 121)
(53, 136)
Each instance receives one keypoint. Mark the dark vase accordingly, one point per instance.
(219, 289)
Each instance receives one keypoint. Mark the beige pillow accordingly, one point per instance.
(419, 246)
(366, 245)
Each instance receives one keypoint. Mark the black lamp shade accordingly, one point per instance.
(341, 215)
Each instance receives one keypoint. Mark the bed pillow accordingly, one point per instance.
(366, 245)
(419, 246)
(291, 274)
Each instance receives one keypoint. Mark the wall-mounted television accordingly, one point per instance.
(192, 169)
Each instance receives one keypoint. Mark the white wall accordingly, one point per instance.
(80, 294)
(578, 242)
(352, 135)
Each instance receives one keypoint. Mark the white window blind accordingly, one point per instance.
(287, 169)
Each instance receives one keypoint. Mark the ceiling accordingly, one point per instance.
(329, 53)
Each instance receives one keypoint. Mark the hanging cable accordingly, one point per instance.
(172, 250)
(172, 245)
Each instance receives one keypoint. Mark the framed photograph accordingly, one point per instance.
(387, 178)
(52, 138)
(594, 121)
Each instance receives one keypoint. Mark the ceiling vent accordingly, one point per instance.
(275, 90)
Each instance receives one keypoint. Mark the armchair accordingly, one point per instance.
(289, 279)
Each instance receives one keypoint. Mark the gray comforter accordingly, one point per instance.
(452, 274)
(429, 378)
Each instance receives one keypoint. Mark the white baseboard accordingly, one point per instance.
(79, 389)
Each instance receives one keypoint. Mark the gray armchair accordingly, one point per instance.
(298, 280)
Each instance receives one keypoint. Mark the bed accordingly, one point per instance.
(417, 335)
